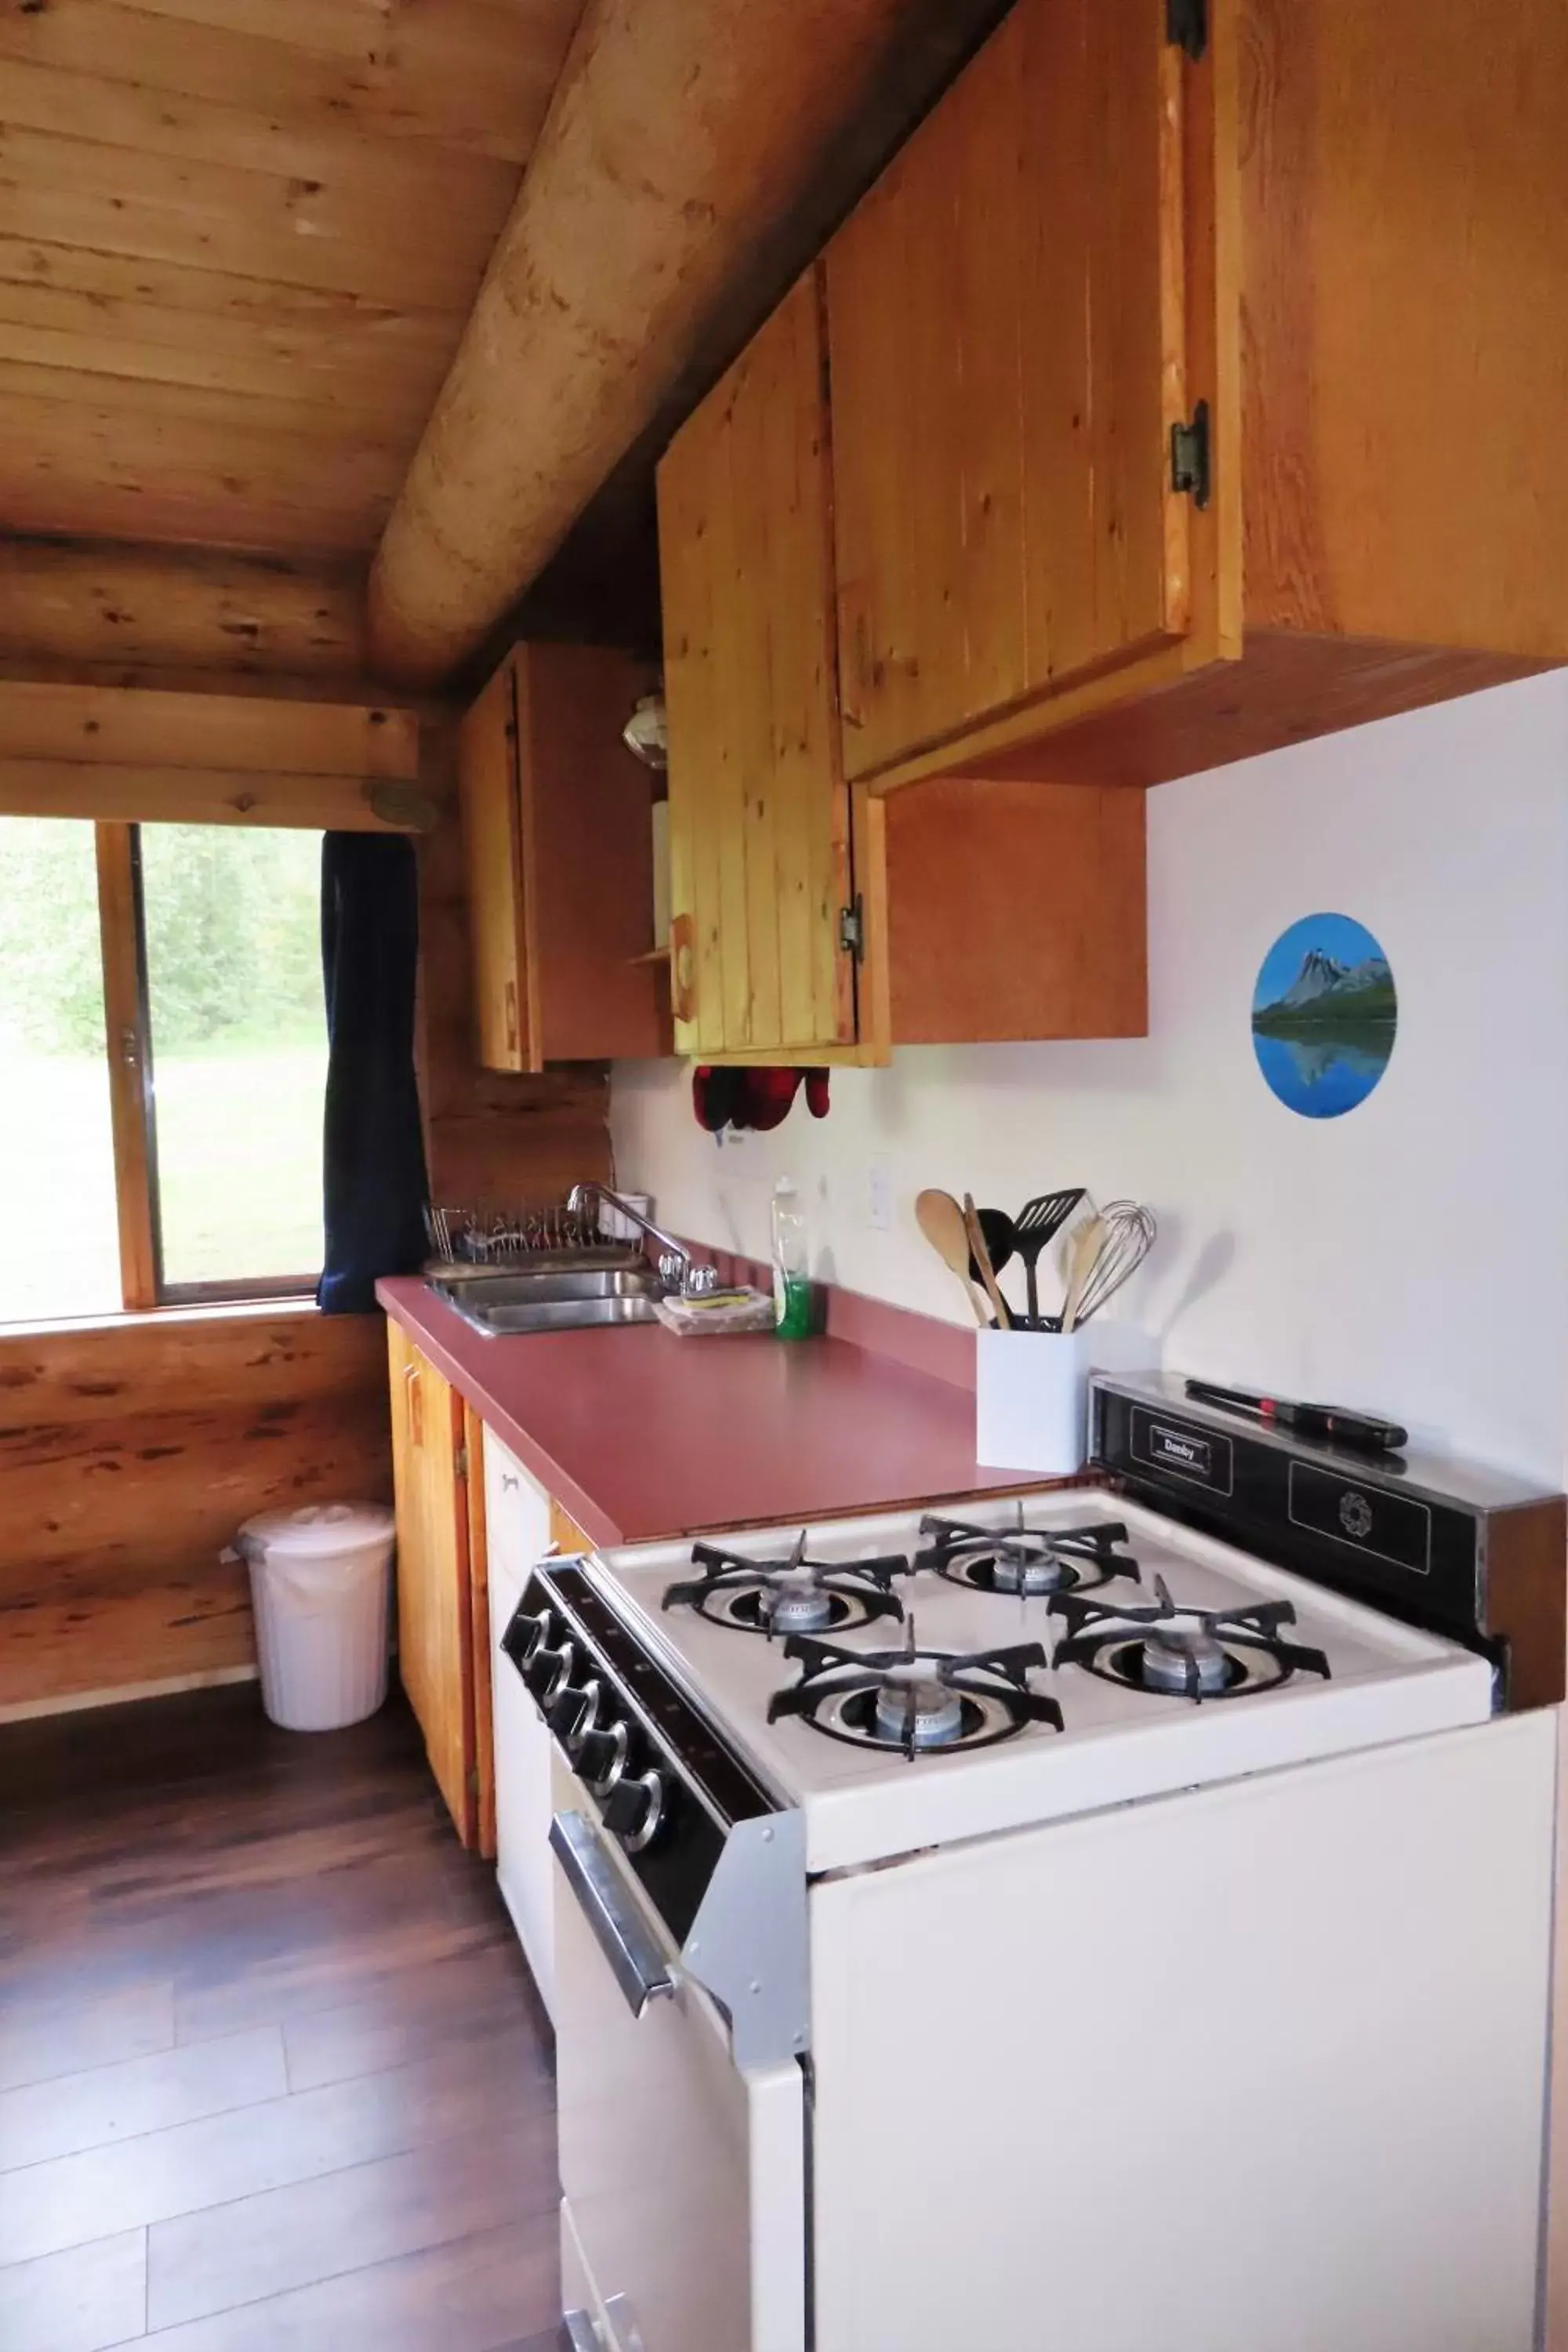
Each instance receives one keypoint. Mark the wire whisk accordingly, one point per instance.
(1126, 1234)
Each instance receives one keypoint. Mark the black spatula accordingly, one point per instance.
(1035, 1227)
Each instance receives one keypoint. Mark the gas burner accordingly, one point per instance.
(1194, 1654)
(914, 1701)
(789, 1596)
(1025, 1560)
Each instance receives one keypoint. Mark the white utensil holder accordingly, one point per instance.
(1030, 1396)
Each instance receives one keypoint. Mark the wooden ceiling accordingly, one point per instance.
(238, 241)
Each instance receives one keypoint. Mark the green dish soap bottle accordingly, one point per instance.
(791, 1277)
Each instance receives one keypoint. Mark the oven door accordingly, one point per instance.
(683, 2179)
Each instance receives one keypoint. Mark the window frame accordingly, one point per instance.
(128, 1038)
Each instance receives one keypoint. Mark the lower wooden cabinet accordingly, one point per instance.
(435, 1575)
(471, 1525)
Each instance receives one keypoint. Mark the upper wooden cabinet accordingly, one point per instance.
(758, 814)
(812, 923)
(1008, 333)
(556, 827)
(1336, 239)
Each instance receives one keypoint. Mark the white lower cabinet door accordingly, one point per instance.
(517, 1523)
(683, 2177)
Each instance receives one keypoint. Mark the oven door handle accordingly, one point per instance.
(623, 1935)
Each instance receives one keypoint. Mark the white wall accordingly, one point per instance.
(1410, 1256)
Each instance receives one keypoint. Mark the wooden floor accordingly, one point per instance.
(273, 2077)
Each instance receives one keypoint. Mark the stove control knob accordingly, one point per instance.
(548, 1672)
(526, 1633)
(635, 1810)
(572, 1713)
(602, 1756)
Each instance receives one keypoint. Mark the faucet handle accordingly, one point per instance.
(699, 1281)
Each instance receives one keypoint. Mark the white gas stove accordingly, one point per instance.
(1047, 1923)
(1035, 1733)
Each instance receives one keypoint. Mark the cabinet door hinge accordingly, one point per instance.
(1188, 26)
(460, 1463)
(1190, 457)
(852, 928)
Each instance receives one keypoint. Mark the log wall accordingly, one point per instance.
(130, 1453)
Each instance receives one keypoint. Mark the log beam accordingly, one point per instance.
(680, 140)
(99, 605)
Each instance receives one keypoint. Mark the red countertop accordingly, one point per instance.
(638, 1434)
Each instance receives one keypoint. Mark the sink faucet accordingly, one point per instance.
(677, 1265)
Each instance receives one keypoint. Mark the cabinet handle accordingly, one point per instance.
(415, 1405)
(683, 967)
(510, 998)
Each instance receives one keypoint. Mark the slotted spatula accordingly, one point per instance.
(1035, 1227)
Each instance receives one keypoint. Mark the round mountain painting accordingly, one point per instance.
(1324, 1012)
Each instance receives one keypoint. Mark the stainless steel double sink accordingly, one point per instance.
(506, 1303)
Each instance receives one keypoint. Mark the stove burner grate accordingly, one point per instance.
(796, 1595)
(914, 1701)
(1026, 1561)
(1180, 1653)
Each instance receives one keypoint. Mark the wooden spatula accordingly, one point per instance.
(982, 1257)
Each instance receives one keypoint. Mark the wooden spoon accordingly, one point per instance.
(940, 1220)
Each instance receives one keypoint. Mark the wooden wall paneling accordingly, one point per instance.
(129, 1073)
(1406, 202)
(130, 1453)
(1015, 910)
(590, 906)
(492, 842)
(434, 1613)
(99, 605)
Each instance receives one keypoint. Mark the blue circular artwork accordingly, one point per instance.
(1324, 1014)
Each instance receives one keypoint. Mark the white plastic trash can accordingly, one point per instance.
(321, 1580)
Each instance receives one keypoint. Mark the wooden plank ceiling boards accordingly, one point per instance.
(239, 241)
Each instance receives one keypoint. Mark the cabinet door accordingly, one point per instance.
(1007, 331)
(759, 824)
(492, 839)
(434, 1602)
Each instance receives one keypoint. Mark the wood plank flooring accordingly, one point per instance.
(273, 2076)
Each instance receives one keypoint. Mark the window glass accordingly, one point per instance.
(60, 1247)
(238, 1038)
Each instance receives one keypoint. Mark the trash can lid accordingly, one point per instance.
(319, 1530)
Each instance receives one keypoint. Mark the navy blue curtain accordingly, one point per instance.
(374, 1181)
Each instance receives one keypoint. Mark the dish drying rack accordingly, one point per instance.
(535, 1238)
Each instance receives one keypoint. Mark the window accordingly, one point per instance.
(60, 1239)
(162, 1028)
